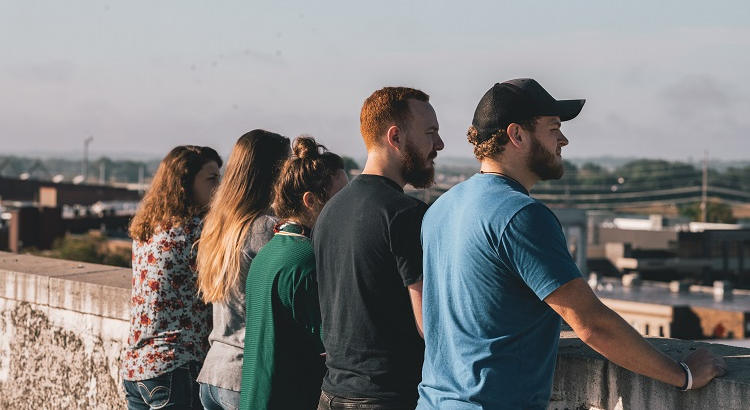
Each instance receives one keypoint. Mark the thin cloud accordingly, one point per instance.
(45, 72)
(698, 92)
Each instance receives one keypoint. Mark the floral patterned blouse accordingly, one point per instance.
(169, 324)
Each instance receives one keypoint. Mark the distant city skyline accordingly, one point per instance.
(662, 80)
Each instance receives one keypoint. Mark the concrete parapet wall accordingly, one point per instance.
(63, 325)
(585, 380)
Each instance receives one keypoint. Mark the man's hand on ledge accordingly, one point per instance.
(704, 366)
(607, 333)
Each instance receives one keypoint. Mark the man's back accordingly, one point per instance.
(367, 251)
(491, 255)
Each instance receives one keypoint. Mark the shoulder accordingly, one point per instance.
(534, 217)
(180, 233)
(410, 208)
(264, 224)
(370, 195)
(288, 253)
(260, 232)
(300, 251)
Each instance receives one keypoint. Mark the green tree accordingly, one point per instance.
(350, 164)
(658, 174)
(87, 248)
(591, 174)
(715, 212)
(737, 178)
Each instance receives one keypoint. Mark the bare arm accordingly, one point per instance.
(607, 333)
(415, 293)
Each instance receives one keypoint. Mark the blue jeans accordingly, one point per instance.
(216, 398)
(329, 401)
(173, 390)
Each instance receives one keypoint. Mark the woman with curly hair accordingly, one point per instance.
(169, 324)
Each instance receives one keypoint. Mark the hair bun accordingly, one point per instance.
(305, 147)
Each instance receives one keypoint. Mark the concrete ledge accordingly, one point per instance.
(88, 288)
(65, 323)
(585, 380)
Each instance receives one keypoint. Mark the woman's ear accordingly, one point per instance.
(310, 200)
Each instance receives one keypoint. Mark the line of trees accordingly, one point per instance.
(114, 170)
(648, 174)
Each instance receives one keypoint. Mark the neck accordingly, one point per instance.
(380, 163)
(520, 173)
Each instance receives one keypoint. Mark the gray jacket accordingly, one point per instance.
(223, 364)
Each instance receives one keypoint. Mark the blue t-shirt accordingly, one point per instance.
(491, 256)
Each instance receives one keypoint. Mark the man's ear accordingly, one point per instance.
(515, 134)
(393, 137)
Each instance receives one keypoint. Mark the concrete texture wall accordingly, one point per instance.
(63, 325)
(585, 380)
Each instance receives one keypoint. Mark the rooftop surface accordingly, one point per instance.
(659, 293)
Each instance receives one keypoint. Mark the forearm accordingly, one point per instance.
(415, 294)
(418, 320)
(621, 344)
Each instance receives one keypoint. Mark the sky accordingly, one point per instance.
(664, 79)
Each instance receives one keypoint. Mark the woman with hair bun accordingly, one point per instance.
(283, 364)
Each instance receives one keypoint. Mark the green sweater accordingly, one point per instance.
(282, 366)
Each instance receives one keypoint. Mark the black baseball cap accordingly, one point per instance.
(517, 101)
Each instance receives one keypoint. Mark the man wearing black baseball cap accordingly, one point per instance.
(498, 275)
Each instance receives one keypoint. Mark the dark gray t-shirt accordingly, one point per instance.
(368, 251)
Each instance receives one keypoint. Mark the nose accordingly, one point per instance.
(437, 142)
(563, 140)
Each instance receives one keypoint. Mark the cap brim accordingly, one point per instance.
(569, 109)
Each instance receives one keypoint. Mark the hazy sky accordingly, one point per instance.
(662, 79)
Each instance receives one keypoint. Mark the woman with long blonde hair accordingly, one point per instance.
(237, 225)
(169, 324)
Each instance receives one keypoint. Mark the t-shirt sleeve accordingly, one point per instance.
(406, 245)
(536, 249)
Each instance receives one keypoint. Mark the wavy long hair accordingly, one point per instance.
(245, 192)
(169, 201)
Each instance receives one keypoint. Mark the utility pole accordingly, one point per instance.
(141, 176)
(85, 164)
(102, 171)
(704, 188)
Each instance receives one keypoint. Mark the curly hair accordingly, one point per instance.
(310, 169)
(169, 201)
(496, 143)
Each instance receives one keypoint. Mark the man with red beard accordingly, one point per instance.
(369, 259)
(498, 275)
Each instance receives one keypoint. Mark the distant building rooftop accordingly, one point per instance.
(660, 294)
